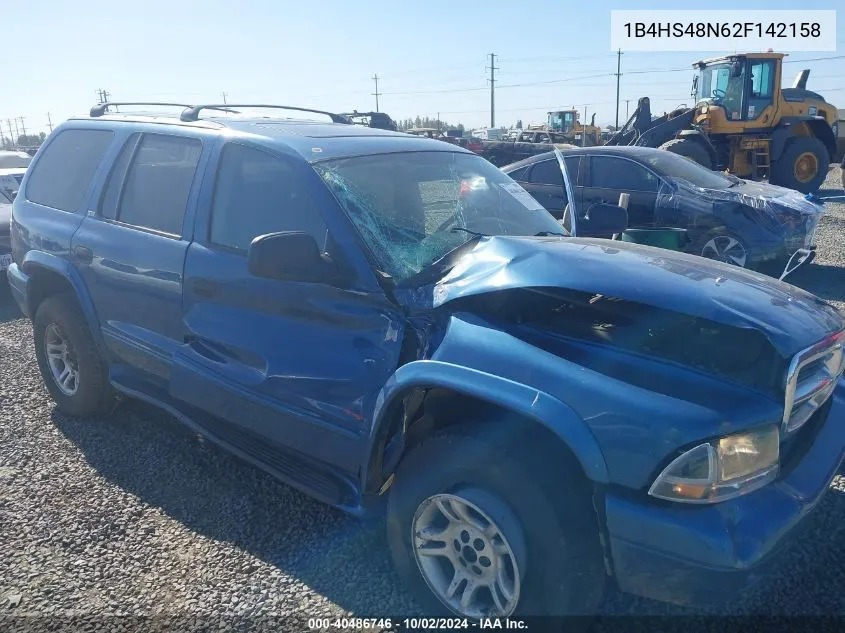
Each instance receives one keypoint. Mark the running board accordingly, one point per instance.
(295, 470)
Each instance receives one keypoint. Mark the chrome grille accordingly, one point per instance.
(810, 380)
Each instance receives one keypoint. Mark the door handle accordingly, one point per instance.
(205, 351)
(204, 287)
(83, 254)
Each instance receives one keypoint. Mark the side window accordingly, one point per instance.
(762, 87)
(546, 172)
(519, 174)
(61, 177)
(619, 173)
(159, 181)
(257, 193)
(543, 138)
(761, 79)
(111, 193)
(573, 167)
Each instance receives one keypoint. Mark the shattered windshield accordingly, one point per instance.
(413, 208)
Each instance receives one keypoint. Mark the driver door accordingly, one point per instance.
(291, 364)
(760, 102)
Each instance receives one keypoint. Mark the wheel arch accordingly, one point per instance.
(404, 414)
(790, 127)
(50, 275)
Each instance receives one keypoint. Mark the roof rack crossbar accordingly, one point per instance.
(191, 113)
(100, 109)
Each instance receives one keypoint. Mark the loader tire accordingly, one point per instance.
(689, 148)
(802, 166)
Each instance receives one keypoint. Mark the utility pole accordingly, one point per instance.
(11, 136)
(23, 127)
(618, 75)
(438, 121)
(493, 70)
(103, 97)
(17, 129)
(376, 93)
(50, 123)
(584, 129)
(224, 97)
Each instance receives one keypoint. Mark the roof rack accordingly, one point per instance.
(100, 109)
(191, 113)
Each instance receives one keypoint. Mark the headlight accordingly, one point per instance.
(721, 469)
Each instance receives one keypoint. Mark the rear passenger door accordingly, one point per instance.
(545, 184)
(131, 249)
(610, 176)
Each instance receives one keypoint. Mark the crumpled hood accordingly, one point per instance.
(790, 318)
(757, 195)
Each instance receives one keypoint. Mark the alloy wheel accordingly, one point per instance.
(465, 556)
(61, 357)
(725, 248)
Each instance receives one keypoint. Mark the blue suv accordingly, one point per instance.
(367, 314)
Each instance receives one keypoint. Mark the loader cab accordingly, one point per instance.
(744, 86)
(562, 120)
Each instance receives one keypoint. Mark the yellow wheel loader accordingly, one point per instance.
(745, 123)
(566, 122)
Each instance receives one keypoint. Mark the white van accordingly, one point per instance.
(13, 160)
(488, 133)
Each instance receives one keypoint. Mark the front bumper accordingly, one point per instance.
(695, 555)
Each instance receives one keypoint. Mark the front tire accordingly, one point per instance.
(802, 166)
(724, 246)
(475, 531)
(73, 371)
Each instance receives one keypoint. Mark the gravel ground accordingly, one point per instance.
(133, 515)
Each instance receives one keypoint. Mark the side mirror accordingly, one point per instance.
(604, 219)
(290, 256)
(736, 69)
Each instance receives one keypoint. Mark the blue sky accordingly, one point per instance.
(430, 57)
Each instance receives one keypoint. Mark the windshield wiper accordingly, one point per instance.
(455, 229)
(550, 234)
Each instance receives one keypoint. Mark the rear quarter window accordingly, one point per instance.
(62, 176)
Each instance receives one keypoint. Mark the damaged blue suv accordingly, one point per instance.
(366, 314)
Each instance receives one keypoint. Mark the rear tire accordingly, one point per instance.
(689, 148)
(73, 370)
(802, 166)
(547, 528)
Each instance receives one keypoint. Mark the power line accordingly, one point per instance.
(812, 59)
